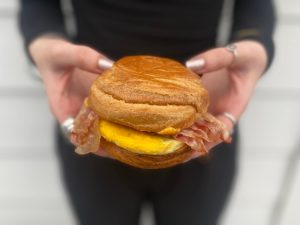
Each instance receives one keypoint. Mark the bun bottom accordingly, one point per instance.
(144, 161)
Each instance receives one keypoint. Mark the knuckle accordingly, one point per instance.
(81, 55)
(220, 61)
(219, 58)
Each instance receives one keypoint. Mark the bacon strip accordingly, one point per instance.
(85, 134)
(205, 130)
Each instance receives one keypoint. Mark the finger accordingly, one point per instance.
(208, 146)
(83, 57)
(90, 60)
(101, 152)
(211, 60)
(229, 122)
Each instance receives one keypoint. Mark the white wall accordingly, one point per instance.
(30, 188)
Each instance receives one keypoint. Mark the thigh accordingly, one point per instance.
(97, 191)
(200, 191)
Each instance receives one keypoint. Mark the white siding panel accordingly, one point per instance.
(35, 216)
(288, 7)
(256, 189)
(28, 179)
(25, 123)
(31, 193)
(285, 71)
(291, 211)
(14, 69)
(271, 125)
(8, 4)
(244, 215)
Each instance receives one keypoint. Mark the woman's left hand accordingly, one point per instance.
(230, 78)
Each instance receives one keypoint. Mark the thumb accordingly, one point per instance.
(88, 59)
(211, 60)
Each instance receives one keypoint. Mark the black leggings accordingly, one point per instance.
(105, 192)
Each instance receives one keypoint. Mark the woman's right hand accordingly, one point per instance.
(67, 71)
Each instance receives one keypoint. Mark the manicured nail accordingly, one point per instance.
(81, 151)
(195, 64)
(105, 63)
(226, 136)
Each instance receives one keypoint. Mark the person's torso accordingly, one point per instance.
(170, 28)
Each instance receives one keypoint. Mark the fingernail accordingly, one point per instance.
(105, 63)
(226, 136)
(195, 64)
(81, 151)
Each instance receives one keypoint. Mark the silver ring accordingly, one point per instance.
(232, 49)
(67, 126)
(231, 117)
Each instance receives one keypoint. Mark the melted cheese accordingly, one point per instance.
(137, 141)
(169, 131)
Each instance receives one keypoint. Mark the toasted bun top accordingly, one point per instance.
(149, 93)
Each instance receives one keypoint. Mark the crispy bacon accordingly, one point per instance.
(85, 134)
(205, 130)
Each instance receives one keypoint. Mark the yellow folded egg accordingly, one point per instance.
(137, 141)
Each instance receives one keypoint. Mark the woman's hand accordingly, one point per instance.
(229, 79)
(67, 71)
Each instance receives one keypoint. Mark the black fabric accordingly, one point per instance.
(164, 28)
(172, 28)
(255, 20)
(38, 17)
(103, 191)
